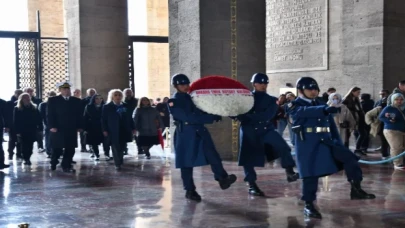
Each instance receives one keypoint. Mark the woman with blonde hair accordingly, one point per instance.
(344, 119)
(147, 122)
(27, 124)
(352, 102)
(394, 127)
(117, 124)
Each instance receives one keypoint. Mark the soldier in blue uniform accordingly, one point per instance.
(193, 144)
(320, 151)
(259, 139)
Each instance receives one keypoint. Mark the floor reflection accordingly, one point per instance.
(149, 193)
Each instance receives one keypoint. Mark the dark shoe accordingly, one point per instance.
(83, 150)
(193, 195)
(118, 167)
(255, 190)
(73, 162)
(68, 170)
(357, 193)
(226, 182)
(148, 157)
(97, 158)
(41, 150)
(92, 156)
(49, 156)
(291, 175)
(53, 167)
(28, 162)
(311, 212)
(4, 166)
(108, 158)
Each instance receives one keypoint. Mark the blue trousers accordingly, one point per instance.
(350, 165)
(187, 175)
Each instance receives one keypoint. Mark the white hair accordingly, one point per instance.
(90, 89)
(111, 94)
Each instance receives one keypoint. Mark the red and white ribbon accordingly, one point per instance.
(202, 92)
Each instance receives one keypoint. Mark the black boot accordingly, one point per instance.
(255, 190)
(357, 193)
(311, 212)
(291, 175)
(193, 195)
(226, 182)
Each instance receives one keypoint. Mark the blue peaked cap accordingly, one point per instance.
(180, 79)
(260, 78)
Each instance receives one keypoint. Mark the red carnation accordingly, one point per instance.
(221, 95)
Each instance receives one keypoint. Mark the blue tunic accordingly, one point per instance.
(192, 141)
(314, 155)
(258, 138)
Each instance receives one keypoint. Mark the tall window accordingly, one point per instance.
(150, 19)
(13, 17)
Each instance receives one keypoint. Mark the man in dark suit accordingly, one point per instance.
(3, 126)
(65, 119)
(42, 110)
(132, 104)
(85, 101)
(12, 141)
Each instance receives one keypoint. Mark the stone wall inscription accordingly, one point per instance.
(296, 35)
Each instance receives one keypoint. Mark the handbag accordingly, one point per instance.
(345, 124)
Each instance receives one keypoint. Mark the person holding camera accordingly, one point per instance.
(394, 127)
(344, 119)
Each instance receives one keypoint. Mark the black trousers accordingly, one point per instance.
(83, 140)
(26, 147)
(40, 140)
(361, 137)
(95, 150)
(67, 159)
(118, 152)
(1, 150)
(13, 143)
(106, 146)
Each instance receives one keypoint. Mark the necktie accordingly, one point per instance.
(67, 98)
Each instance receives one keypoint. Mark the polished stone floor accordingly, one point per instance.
(148, 193)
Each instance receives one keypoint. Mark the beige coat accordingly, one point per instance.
(373, 121)
(345, 115)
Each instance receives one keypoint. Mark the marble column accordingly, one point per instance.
(201, 44)
(98, 44)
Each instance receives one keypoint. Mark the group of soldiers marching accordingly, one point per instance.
(319, 149)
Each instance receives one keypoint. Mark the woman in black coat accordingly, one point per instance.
(27, 124)
(117, 124)
(92, 124)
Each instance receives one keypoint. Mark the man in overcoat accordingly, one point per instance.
(193, 144)
(258, 138)
(319, 149)
(65, 119)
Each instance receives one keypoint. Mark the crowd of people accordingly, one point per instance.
(320, 128)
(64, 115)
(361, 117)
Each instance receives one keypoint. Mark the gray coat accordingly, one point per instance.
(147, 121)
